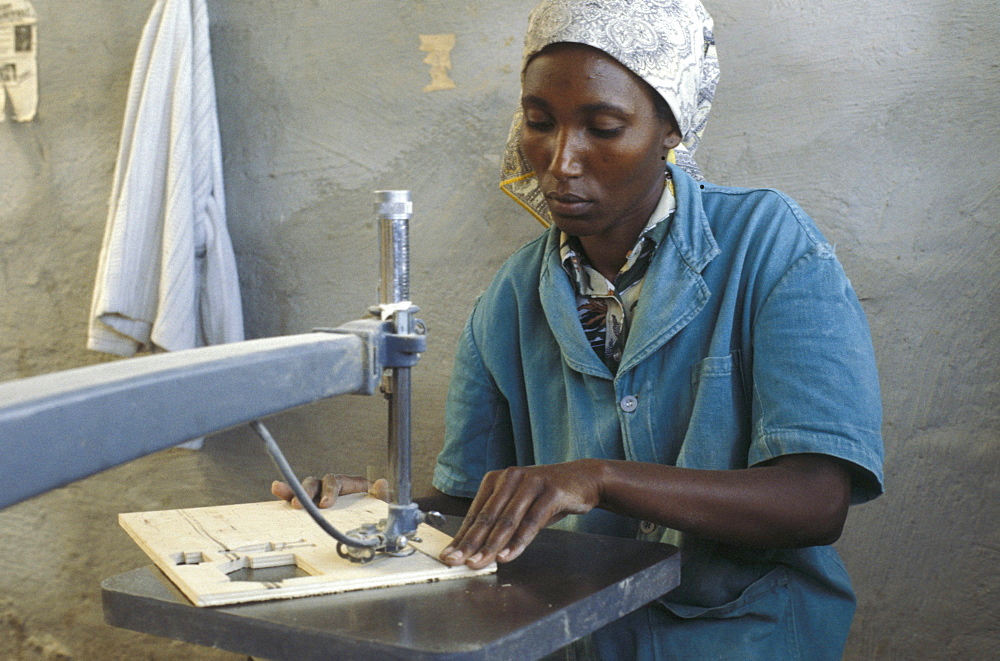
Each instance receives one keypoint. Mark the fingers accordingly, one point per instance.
(511, 533)
(311, 486)
(380, 489)
(330, 489)
(281, 490)
(491, 522)
(514, 504)
(284, 492)
(509, 510)
(324, 492)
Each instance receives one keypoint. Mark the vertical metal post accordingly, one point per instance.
(394, 209)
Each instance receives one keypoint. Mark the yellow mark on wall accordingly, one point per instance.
(438, 48)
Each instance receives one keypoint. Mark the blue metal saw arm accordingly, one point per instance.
(61, 427)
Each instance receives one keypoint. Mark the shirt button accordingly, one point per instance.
(646, 527)
(629, 403)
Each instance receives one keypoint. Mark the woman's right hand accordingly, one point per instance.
(324, 492)
(514, 504)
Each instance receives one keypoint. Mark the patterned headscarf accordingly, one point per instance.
(667, 43)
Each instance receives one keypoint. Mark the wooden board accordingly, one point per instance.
(260, 551)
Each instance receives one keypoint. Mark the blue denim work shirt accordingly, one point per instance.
(748, 343)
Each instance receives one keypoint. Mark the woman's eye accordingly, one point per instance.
(538, 125)
(605, 132)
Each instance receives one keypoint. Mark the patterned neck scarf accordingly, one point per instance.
(667, 43)
(606, 308)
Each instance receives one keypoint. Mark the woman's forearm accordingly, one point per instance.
(795, 500)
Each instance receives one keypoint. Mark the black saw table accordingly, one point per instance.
(564, 586)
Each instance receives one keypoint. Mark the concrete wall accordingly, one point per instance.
(879, 118)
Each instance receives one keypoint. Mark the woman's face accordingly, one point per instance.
(592, 135)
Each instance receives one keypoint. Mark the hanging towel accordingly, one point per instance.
(166, 277)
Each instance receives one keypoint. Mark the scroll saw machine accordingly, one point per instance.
(61, 427)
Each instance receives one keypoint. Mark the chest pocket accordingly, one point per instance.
(718, 432)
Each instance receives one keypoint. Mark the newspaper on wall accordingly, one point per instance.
(18, 59)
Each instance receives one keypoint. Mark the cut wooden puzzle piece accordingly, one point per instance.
(260, 551)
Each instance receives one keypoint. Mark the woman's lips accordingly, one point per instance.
(567, 204)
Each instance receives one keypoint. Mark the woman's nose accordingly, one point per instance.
(567, 155)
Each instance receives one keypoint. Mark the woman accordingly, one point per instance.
(672, 360)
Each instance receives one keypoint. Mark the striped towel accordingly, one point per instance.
(167, 277)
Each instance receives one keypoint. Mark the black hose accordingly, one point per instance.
(300, 493)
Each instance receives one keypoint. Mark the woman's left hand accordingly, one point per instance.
(514, 504)
(324, 492)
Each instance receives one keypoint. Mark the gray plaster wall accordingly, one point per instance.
(880, 118)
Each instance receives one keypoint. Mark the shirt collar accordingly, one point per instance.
(586, 280)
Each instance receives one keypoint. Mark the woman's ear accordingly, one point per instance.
(672, 140)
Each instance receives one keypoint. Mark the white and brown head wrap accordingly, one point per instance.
(667, 43)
